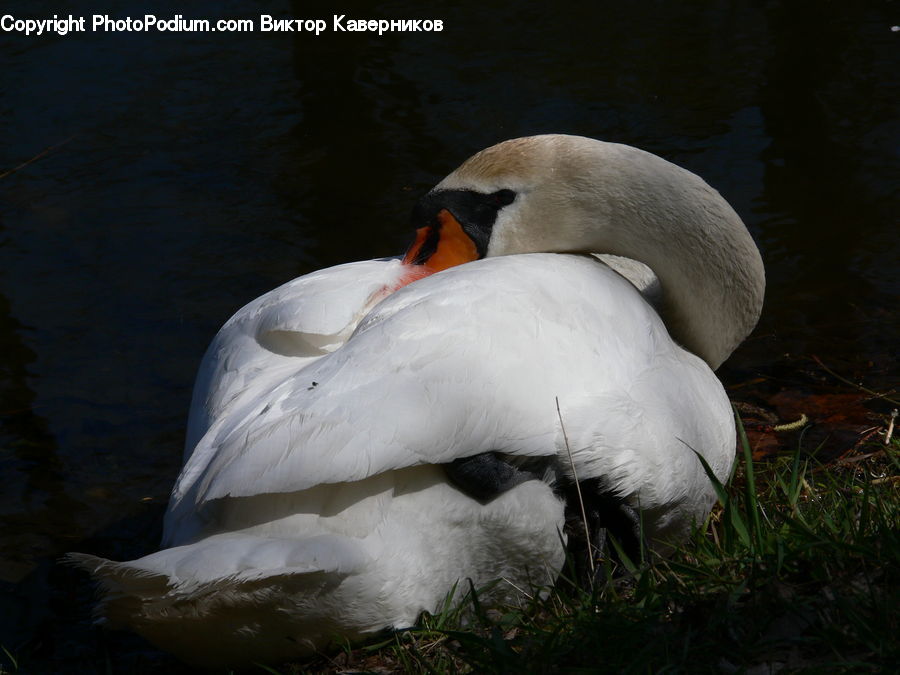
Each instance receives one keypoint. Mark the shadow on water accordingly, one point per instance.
(34, 507)
(47, 613)
(44, 605)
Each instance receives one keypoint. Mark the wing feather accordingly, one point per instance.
(466, 361)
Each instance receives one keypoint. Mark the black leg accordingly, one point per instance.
(608, 517)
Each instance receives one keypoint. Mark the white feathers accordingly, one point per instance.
(313, 503)
(326, 464)
(455, 365)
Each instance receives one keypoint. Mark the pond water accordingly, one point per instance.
(186, 173)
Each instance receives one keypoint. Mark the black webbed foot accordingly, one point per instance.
(485, 476)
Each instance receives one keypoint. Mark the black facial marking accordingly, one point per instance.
(475, 211)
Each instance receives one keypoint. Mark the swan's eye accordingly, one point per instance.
(501, 198)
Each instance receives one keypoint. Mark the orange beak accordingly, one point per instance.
(438, 247)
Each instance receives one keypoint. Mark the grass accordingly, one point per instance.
(794, 571)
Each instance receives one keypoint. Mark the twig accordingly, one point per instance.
(890, 429)
(864, 437)
(858, 458)
(587, 532)
(517, 588)
(862, 440)
(853, 384)
(43, 153)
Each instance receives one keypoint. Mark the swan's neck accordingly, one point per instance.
(711, 300)
(578, 195)
(710, 271)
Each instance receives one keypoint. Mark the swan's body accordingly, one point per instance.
(313, 502)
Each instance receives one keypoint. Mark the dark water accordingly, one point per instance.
(190, 172)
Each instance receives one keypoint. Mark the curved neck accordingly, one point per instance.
(710, 271)
(579, 195)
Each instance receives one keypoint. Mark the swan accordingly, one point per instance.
(365, 438)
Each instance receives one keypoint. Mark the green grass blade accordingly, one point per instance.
(751, 504)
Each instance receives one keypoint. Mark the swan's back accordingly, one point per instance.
(473, 360)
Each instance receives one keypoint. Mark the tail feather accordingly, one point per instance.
(232, 609)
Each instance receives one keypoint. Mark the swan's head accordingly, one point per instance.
(570, 194)
(526, 195)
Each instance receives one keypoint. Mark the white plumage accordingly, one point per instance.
(313, 503)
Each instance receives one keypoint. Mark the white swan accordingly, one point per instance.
(315, 501)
